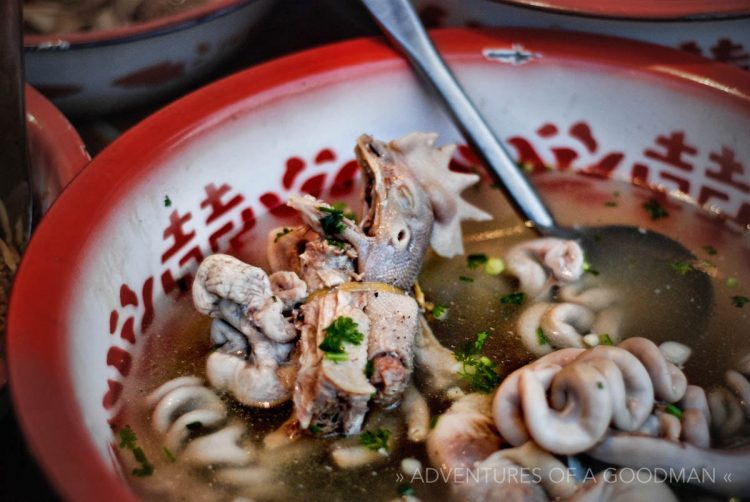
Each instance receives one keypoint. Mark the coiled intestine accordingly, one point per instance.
(730, 405)
(571, 310)
(566, 401)
(192, 422)
(540, 264)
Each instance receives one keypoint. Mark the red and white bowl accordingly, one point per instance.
(56, 151)
(113, 252)
(643, 9)
(716, 30)
(104, 71)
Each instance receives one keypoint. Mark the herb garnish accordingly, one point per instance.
(314, 428)
(513, 298)
(167, 201)
(375, 440)
(494, 266)
(732, 282)
(342, 329)
(479, 370)
(588, 269)
(682, 267)
(655, 210)
(710, 250)
(439, 312)
(474, 347)
(434, 420)
(465, 278)
(476, 260)
(600, 385)
(332, 223)
(128, 441)
(613, 202)
(604, 339)
(673, 410)
(541, 338)
(281, 234)
(740, 301)
(406, 490)
(344, 208)
(369, 369)
(170, 456)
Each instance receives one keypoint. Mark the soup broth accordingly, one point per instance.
(713, 327)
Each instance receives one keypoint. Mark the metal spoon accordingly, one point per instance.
(650, 251)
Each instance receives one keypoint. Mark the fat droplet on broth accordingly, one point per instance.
(177, 343)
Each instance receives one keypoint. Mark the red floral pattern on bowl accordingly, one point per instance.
(124, 240)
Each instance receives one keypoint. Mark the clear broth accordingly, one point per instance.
(178, 345)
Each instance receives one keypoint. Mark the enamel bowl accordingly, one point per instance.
(716, 30)
(56, 155)
(56, 151)
(98, 72)
(122, 242)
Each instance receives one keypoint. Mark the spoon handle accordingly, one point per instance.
(400, 23)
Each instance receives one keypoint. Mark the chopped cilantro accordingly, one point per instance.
(434, 420)
(476, 260)
(600, 385)
(541, 338)
(740, 301)
(673, 410)
(481, 373)
(375, 440)
(406, 490)
(170, 456)
(167, 201)
(282, 233)
(336, 357)
(342, 329)
(732, 282)
(464, 278)
(604, 339)
(194, 426)
(588, 269)
(655, 209)
(344, 208)
(439, 312)
(710, 250)
(127, 438)
(681, 267)
(611, 203)
(472, 347)
(333, 221)
(479, 370)
(494, 266)
(513, 298)
(369, 369)
(314, 428)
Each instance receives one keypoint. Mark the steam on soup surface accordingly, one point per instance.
(469, 297)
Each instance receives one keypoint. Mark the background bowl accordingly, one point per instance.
(725, 39)
(56, 151)
(644, 9)
(118, 250)
(98, 72)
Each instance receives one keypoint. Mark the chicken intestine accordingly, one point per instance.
(566, 401)
(193, 424)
